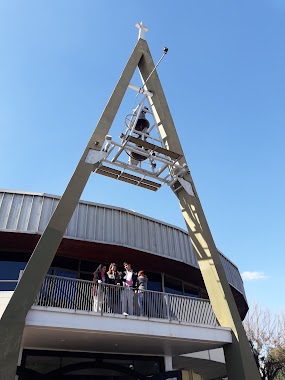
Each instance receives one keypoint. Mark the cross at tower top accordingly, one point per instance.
(142, 29)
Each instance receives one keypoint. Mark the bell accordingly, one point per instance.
(142, 125)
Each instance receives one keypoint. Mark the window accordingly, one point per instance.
(43, 364)
(66, 263)
(86, 276)
(65, 273)
(190, 291)
(172, 285)
(154, 282)
(88, 266)
(9, 270)
(204, 294)
(110, 366)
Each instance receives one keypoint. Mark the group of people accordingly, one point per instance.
(119, 297)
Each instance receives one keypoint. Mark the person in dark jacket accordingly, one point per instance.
(115, 279)
(100, 278)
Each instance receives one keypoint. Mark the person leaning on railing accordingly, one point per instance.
(141, 286)
(114, 299)
(100, 278)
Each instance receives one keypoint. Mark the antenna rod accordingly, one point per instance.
(165, 50)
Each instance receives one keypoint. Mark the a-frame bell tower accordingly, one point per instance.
(147, 155)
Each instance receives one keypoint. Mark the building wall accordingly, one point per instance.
(4, 300)
(30, 213)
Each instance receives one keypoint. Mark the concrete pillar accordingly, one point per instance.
(186, 375)
(19, 358)
(168, 363)
(239, 359)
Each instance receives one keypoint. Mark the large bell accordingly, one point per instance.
(142, 125)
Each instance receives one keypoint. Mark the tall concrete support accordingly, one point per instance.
(240, 362)
(239, 359)
(13, 320)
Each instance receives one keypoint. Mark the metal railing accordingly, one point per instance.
(68, 293)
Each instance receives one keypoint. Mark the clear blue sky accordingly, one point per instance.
(224, 79)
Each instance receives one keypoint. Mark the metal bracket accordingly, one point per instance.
(140, 90)
(187, 186)
(95, 156)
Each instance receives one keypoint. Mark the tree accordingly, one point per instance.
(266, 334)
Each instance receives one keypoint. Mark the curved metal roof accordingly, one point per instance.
(30, 212)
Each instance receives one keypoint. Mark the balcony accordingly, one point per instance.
(80, 295)
(63, 318)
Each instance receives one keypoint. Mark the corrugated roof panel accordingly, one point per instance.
(72, 226)
(145, 235)
(15, 211)
(46, 213)
(82, 221)
(138, 237)
(131, 230)
(123, 226)
(116, 222)
(36, 209)
(25, 213)
(5, 209)
(108, 226)
(99, 223)
(90, 223)
(158, 239)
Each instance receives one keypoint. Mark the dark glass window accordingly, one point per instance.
(147, 367)
(88, 266)
(123, 362)
(10, 270)
(46, 361)
(65, 273)
(172, 285)
(65, 361)
(204, 294)
(86, 276)
(66, 263)
(43, 364)
(154, 281)
(191, 291)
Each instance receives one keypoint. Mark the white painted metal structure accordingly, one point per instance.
(27, 212)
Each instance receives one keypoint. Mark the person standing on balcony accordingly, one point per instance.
(129, 283)
(141, 286)
(100, 278)
(115, 278)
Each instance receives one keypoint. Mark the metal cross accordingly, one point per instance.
(142, 29)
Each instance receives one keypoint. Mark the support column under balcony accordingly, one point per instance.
(168, 363)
